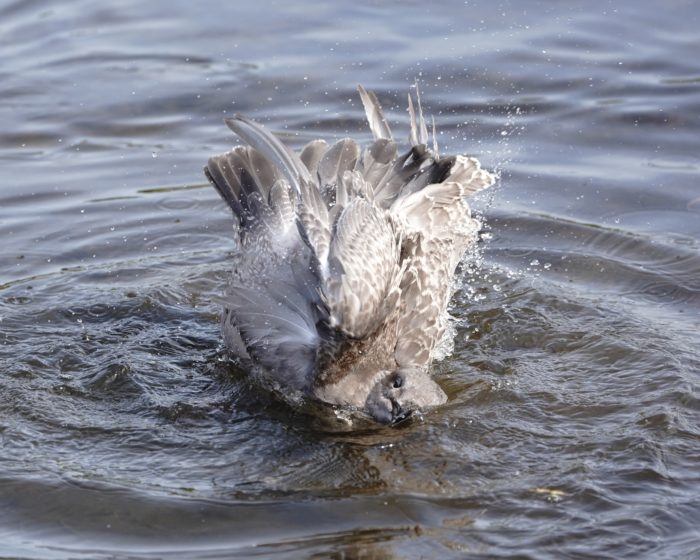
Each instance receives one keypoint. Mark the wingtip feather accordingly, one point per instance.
(375, 116)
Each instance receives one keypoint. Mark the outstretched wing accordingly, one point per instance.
(426, 197)
(438, 228)
(272, 302)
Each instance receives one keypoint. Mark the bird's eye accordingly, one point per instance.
(397, 382)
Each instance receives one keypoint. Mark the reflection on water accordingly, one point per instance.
(572, 425)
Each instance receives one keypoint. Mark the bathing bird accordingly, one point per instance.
(345, 260)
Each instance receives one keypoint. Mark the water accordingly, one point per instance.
(572, 428)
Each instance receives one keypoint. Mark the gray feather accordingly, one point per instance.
(364, 260)
(436, 151)
(336, 160)
(275, 332)
(376, 163)
(282, 204)
(259, 138)
(229, 188)
(419, 132)
(375, 117)
(311, 154)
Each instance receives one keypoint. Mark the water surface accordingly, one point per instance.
(572, 425)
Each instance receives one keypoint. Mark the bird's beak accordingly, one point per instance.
(398, 413)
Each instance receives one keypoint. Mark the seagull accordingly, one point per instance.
(345, 260)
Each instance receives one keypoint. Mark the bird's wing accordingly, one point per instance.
(273, 299)
(271, 312)
(432, 219)
(362, 286)
(437, 229)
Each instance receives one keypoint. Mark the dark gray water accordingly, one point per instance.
(573, 425)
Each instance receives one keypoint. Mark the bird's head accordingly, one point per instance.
(396, 394)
